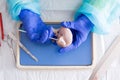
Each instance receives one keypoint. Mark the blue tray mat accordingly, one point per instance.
(48, 54)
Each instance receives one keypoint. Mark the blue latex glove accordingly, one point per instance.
(80, 29)
(36, 29)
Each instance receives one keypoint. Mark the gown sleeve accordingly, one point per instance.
(101, 13)
(15, 7)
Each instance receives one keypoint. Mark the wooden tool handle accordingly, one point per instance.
(109, 56)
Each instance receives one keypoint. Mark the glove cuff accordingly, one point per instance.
(87, 23)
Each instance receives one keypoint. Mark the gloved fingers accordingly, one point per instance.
(50, 30)
(44, 36)
(68, 25)
(66, 49)
(77, 41)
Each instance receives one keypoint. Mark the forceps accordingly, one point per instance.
(22, 46)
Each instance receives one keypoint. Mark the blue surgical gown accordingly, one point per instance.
(100, 12)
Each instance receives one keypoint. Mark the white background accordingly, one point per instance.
(8, 70)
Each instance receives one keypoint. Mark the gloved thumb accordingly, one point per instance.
(68, 24)
(66, 49)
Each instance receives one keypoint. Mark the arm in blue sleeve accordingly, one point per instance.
(28, 12)
(15, 7)
(93, 15)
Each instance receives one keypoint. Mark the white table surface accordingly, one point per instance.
(8, 70)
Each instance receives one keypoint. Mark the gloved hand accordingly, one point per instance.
(80, 29)
(36, 29)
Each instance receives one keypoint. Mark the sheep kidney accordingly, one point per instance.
(64, 36)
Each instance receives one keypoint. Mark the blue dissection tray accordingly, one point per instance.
(48, 54)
